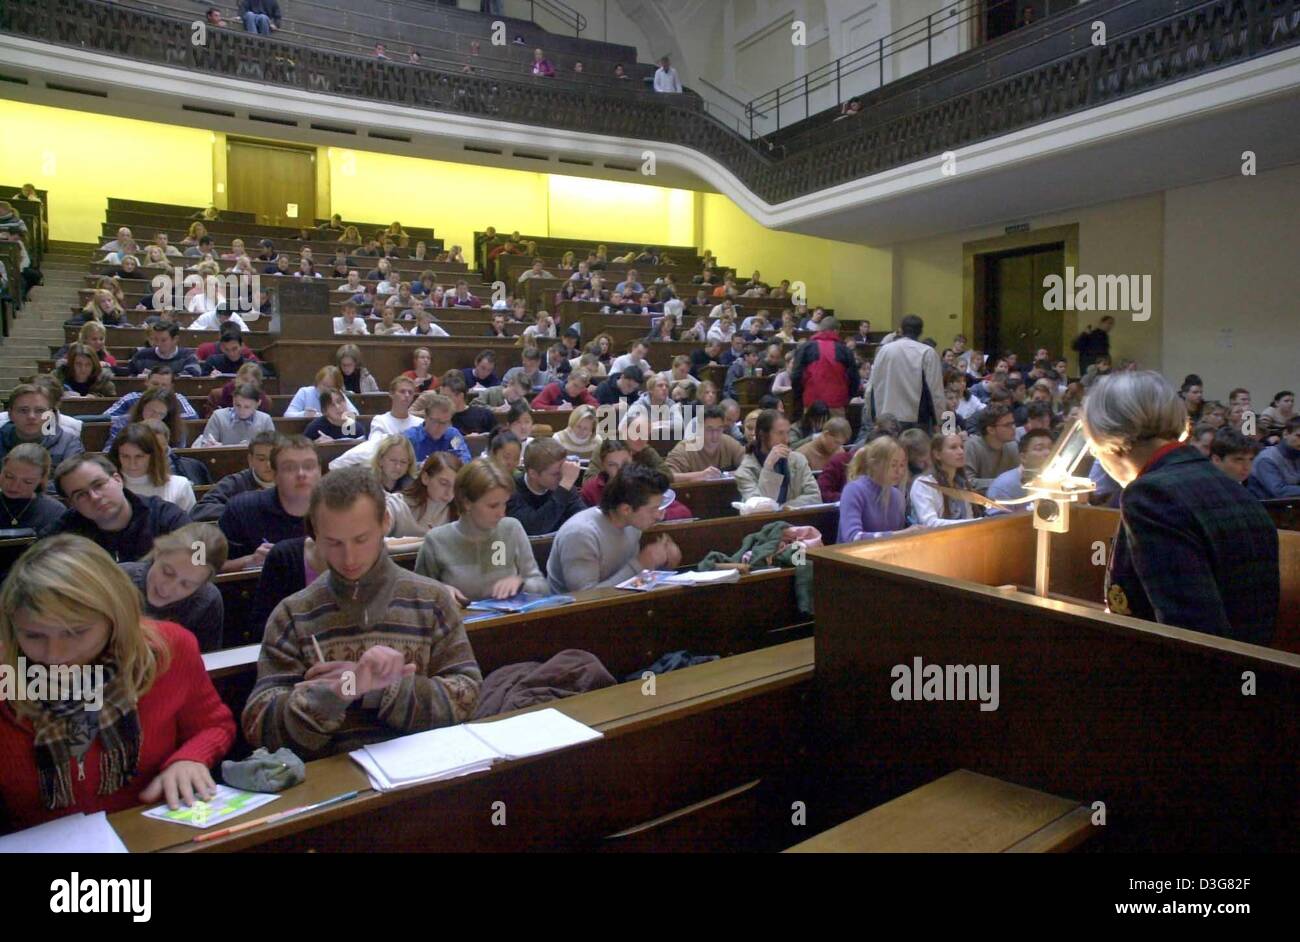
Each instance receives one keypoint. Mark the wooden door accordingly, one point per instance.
(1014, 317)
(275, 182)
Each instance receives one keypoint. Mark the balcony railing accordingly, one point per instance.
(1148, 46)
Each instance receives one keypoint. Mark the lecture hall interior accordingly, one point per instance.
(597, 426)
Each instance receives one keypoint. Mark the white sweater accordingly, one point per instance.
(178, 490)
(927, 504)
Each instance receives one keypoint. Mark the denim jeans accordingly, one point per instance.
(257, 23)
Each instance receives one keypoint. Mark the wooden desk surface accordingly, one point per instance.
(963, 812)
(419, 816)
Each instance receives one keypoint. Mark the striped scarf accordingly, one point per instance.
(60, 723)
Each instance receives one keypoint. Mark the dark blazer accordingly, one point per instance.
(1195, 550)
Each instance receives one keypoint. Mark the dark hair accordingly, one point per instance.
(814, 417)
(1277, 396)
(1228, 441)
(763, 426)
(341, 489)
(634, 485)
(454, 381)
(1038, 410)
(1292, 425)
(68, 465)
(485, 355)
(230, 331)
(911, 326)
(769, 401)
(263, 438)
(1032, 434)
(713, 412)
(990, 416)
(517, 408)
(634, 373)
(501, 440)
(167, 398)
(171, 327)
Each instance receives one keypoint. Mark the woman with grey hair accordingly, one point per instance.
(1194, 548)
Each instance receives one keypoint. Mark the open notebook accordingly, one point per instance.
(471, 747)
(663, 578)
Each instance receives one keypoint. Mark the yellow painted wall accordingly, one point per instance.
(83, 159)
(455, 199)
(855, 280)
(580, 208)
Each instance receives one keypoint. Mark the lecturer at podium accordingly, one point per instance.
(1194, 548)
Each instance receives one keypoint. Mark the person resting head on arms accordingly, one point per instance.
(484, 554)
(415, 671)
(159, 725)
(175, 581)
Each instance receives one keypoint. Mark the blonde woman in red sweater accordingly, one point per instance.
(149, 725)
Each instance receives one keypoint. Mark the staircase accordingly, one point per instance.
(40, 323)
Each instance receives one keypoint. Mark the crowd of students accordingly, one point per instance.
(122, 574)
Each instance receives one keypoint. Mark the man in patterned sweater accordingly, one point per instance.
(393, 655)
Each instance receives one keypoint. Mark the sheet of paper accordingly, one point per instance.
(232, 657)
(71, 834)
(531, 734)
(380, 782)
(712, 577)
(229, 803)
(429, 755)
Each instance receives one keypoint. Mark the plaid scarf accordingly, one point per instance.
(61, 724)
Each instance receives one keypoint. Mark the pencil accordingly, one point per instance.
(316, 644)
(271, 818)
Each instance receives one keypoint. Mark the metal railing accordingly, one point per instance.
(855, 69)
(1016, 86)
(571, 18)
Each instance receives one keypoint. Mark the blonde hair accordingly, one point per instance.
(873, 460)
(92, 327)
(580, 413)
(33, 454)
(65, 578)
(332, 374)
(393, 441)
(215, 548)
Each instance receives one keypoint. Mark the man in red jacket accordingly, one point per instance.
(567, 395)
(824, 369)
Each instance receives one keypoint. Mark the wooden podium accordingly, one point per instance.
(1190, 741)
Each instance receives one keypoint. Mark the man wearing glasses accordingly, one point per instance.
(103, 510)
(437, 433)
(994, 450)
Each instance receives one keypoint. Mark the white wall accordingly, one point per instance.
(1232, 284)
(744, 48)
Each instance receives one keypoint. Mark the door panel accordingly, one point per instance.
(276, 183)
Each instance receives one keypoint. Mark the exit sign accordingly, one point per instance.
(1018, 227)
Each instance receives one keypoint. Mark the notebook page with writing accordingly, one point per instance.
(431, 754)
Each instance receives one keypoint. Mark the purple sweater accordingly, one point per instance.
(861, 516)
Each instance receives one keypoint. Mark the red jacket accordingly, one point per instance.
(181, 718)
(553, 395)
(824, 369)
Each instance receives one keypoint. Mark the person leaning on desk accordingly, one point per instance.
(1194, 549)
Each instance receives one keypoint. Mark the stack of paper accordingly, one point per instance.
(71, 834)
(461, 750)
(712, 577)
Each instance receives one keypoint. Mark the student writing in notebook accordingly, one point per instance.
(394, 658)
(146, 728)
